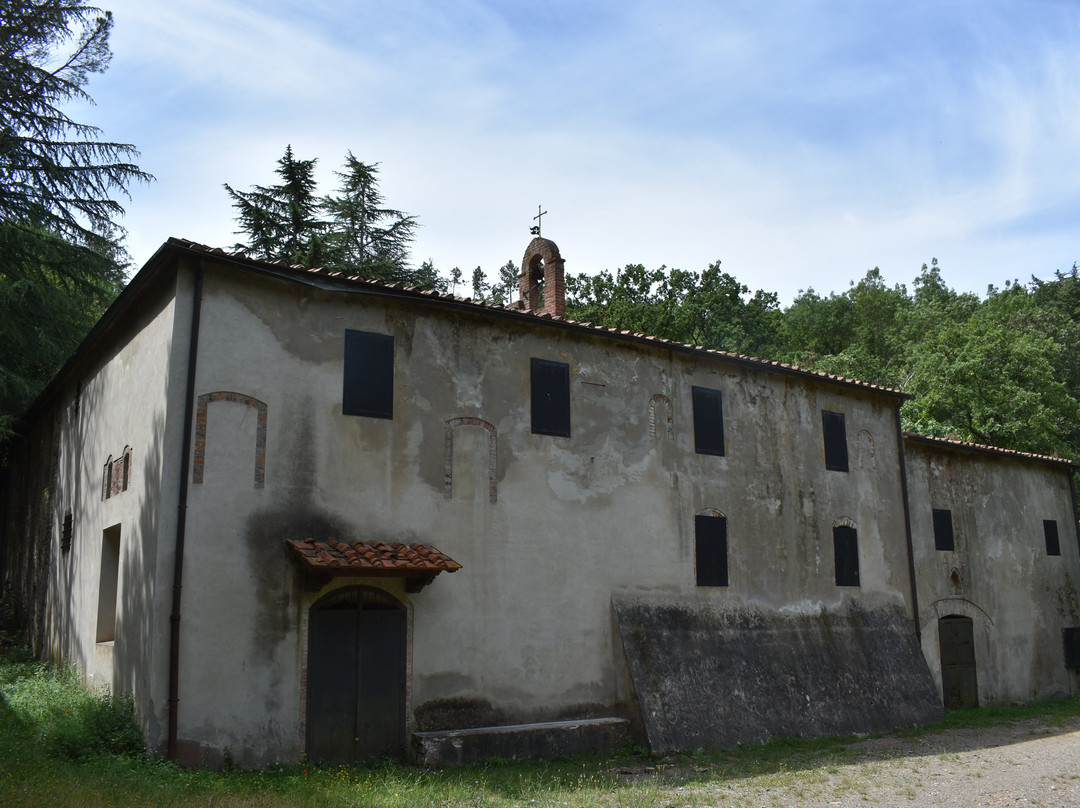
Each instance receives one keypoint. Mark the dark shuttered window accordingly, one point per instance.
(943, 532)
(846, 549)
(67, 532)
(1050, 531)
(711, 550)
(708, 421)
(832, 424)
(369, 375)
(550, 384)
(1070, 637)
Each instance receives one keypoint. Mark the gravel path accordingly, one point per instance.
(1030, 762)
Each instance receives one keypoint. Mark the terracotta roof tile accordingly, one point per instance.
(515, 309)
(979, 447)
(358, 557)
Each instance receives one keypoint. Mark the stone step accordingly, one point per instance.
(541, 741)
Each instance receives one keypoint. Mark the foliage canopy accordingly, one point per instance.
(1001, 371)
(351, 230)
(60, 257)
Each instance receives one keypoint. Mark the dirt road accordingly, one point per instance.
(1032, 762)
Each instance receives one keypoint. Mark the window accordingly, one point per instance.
(710, 537)
(832, 424)
(943, 532)
(369, 375)
(846, 550)
(550, 384)
(1050, 531)
(66, 532)
(708, 421)
(1070, 637)
(108, 581)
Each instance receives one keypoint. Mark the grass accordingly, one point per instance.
(62, 745)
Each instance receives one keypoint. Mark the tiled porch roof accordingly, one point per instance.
(417, 563)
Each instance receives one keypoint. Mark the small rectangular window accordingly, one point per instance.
(943, 532)
(710, 537)
(66, 532)
(1071, 639)
(369, 375)
(846, 550)
(1050, 531)
(108, 583)
(836, 457)
(550, 386)
(708, 421)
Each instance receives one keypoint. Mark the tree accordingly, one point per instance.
(364, 234)
(999, 378)
(480, 286)
(351, 231)
(55, 173)
(706, 309)
(60, 254)
(503, 291)
(282, 221)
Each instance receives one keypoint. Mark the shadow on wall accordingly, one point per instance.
(135, 629)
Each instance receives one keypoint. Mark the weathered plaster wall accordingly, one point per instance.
(999, 573)
(116, 403)
(525, 630)
(718, 677)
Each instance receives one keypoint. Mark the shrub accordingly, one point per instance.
(65, 716)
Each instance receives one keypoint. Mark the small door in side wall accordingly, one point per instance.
(959, 683)
(356, 677)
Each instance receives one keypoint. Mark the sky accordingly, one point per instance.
(799, 142)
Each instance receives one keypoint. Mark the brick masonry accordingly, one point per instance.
(200, 433)
(542, 264)
(448, 455)
(660, 399)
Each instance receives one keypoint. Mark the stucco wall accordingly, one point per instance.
(999, 574)
(525, 630)
(117, 401)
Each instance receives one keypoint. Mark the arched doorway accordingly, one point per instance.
(356, 677)
(959, 682)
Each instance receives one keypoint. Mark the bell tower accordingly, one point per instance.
(542, 283)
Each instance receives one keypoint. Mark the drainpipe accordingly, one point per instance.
(907, 521)
(181, 514)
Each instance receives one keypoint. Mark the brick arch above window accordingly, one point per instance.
(660, 400)
(448, 456)
(202, 405)
(955, 606)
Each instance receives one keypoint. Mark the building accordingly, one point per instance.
(405, 518)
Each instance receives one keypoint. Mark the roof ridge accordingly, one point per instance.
(986, 447)
(483, 305)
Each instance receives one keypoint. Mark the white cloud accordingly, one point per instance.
(801, 143)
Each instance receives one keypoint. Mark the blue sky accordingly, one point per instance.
(800, 142)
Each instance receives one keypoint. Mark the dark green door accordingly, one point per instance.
(959, 683)
(356, 677)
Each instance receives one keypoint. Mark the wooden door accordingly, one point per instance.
(959, 682)
(356, 677)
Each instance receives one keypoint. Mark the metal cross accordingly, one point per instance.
(535, 229)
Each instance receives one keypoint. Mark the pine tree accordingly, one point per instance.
(55, 173)
(365, 236)
(480, 286)
(282, 221)
(60, 253)
(503, 291)
(351, 231)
